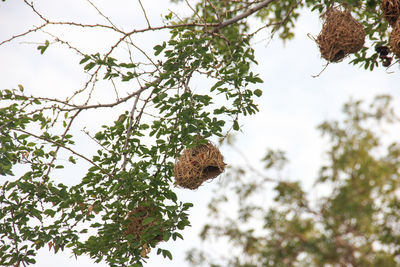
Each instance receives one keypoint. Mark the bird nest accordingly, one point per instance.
(340, 36)
(391, 10)
(395, 39)
(197, 165)
(138, 226)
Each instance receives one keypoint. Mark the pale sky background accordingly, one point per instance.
(292, 105)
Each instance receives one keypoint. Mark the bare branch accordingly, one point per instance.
(61, 140)
(57, 39)
(104, 16)
(65, 147)
(23, 34)
(195, 12)
(121, 100)
(129, 131)
(34, 10)
(145, 15)
(243, 15)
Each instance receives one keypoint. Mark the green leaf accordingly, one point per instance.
(147, 220)
(89, 66)
(166, 254)
(176, 235)
(166, 236)
(258, 92)
(23, 136)
(236, 126)
(72, 160)
(158, 49)
(216, 85)
(86, 58)
(181, 225)
(186, 206)
(50, 212)
(43, 48)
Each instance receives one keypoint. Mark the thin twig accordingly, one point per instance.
(215, 10)
(65, 147)
(128, 132)
(243, 15)
(15, 235)
(326, 65)
(93, 87)
(144, 12)
(23, 34)
(144, 53)
(104, 16)
(195, 12)
(57, 39)
(34, 10)
(59, 144)
(279, 23)
(115, 89)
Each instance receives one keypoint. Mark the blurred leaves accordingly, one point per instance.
(352, 221)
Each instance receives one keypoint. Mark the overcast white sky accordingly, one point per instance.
(292, 105)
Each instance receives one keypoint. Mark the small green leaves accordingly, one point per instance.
(42, 48)
(165, 253)
(169, 16)
(159, 48)
(186, 206)
(50, 212)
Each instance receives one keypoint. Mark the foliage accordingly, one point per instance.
(353, 223)
(162, 114)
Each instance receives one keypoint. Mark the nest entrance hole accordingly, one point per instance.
(210, 172)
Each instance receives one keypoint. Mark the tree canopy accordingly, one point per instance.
(128, 181)
(354, 222)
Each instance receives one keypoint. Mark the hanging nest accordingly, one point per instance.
(196, 165)
(391, 10)
(341, 35)
(395, 39)
(137, 228)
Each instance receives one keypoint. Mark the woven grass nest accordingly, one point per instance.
(197, 165)
(136, 227)
(340, 36)
(395, 39)
(391, 10)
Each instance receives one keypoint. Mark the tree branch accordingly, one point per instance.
(129, 131)
(145, 15)
(61, 140)
(65, 147)
(242, 16)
